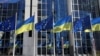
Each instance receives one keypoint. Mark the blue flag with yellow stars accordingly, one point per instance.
(8, 24)
(46, 24)
(77, 25)
(86, 24)
(82, 24)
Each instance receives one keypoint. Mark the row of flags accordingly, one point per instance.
(63, 24)
(84, 23)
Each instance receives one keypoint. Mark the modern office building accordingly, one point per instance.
(46, 43)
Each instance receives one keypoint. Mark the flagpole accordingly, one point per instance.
(81, 42)
(34, 36)
(71, 38)
(92, 39)
(14, 36)
(62, 40)
(53, 26)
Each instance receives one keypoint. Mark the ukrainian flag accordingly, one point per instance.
(62, 24)
(96, 24)
(25, 26)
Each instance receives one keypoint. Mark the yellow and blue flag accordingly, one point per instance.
(96, 24)
(26, 26)
(62, 24)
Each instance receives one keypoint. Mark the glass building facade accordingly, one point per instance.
(7, 10)
(84, 42)
(49, 43)
(44, 11)
(60, 10)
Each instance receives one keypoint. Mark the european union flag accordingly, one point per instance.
(8, 24)
(39, 26)
(82, 24)
(45, 24)
(86, 23)
(49, 23)
(77, 25)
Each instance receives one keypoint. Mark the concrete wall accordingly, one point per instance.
(29, 43)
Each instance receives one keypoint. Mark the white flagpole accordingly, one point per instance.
(92, 40)
(62, 40)
(94, 48)
(14, 44)
(53, 26)
(33, 29)
(71, 38)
